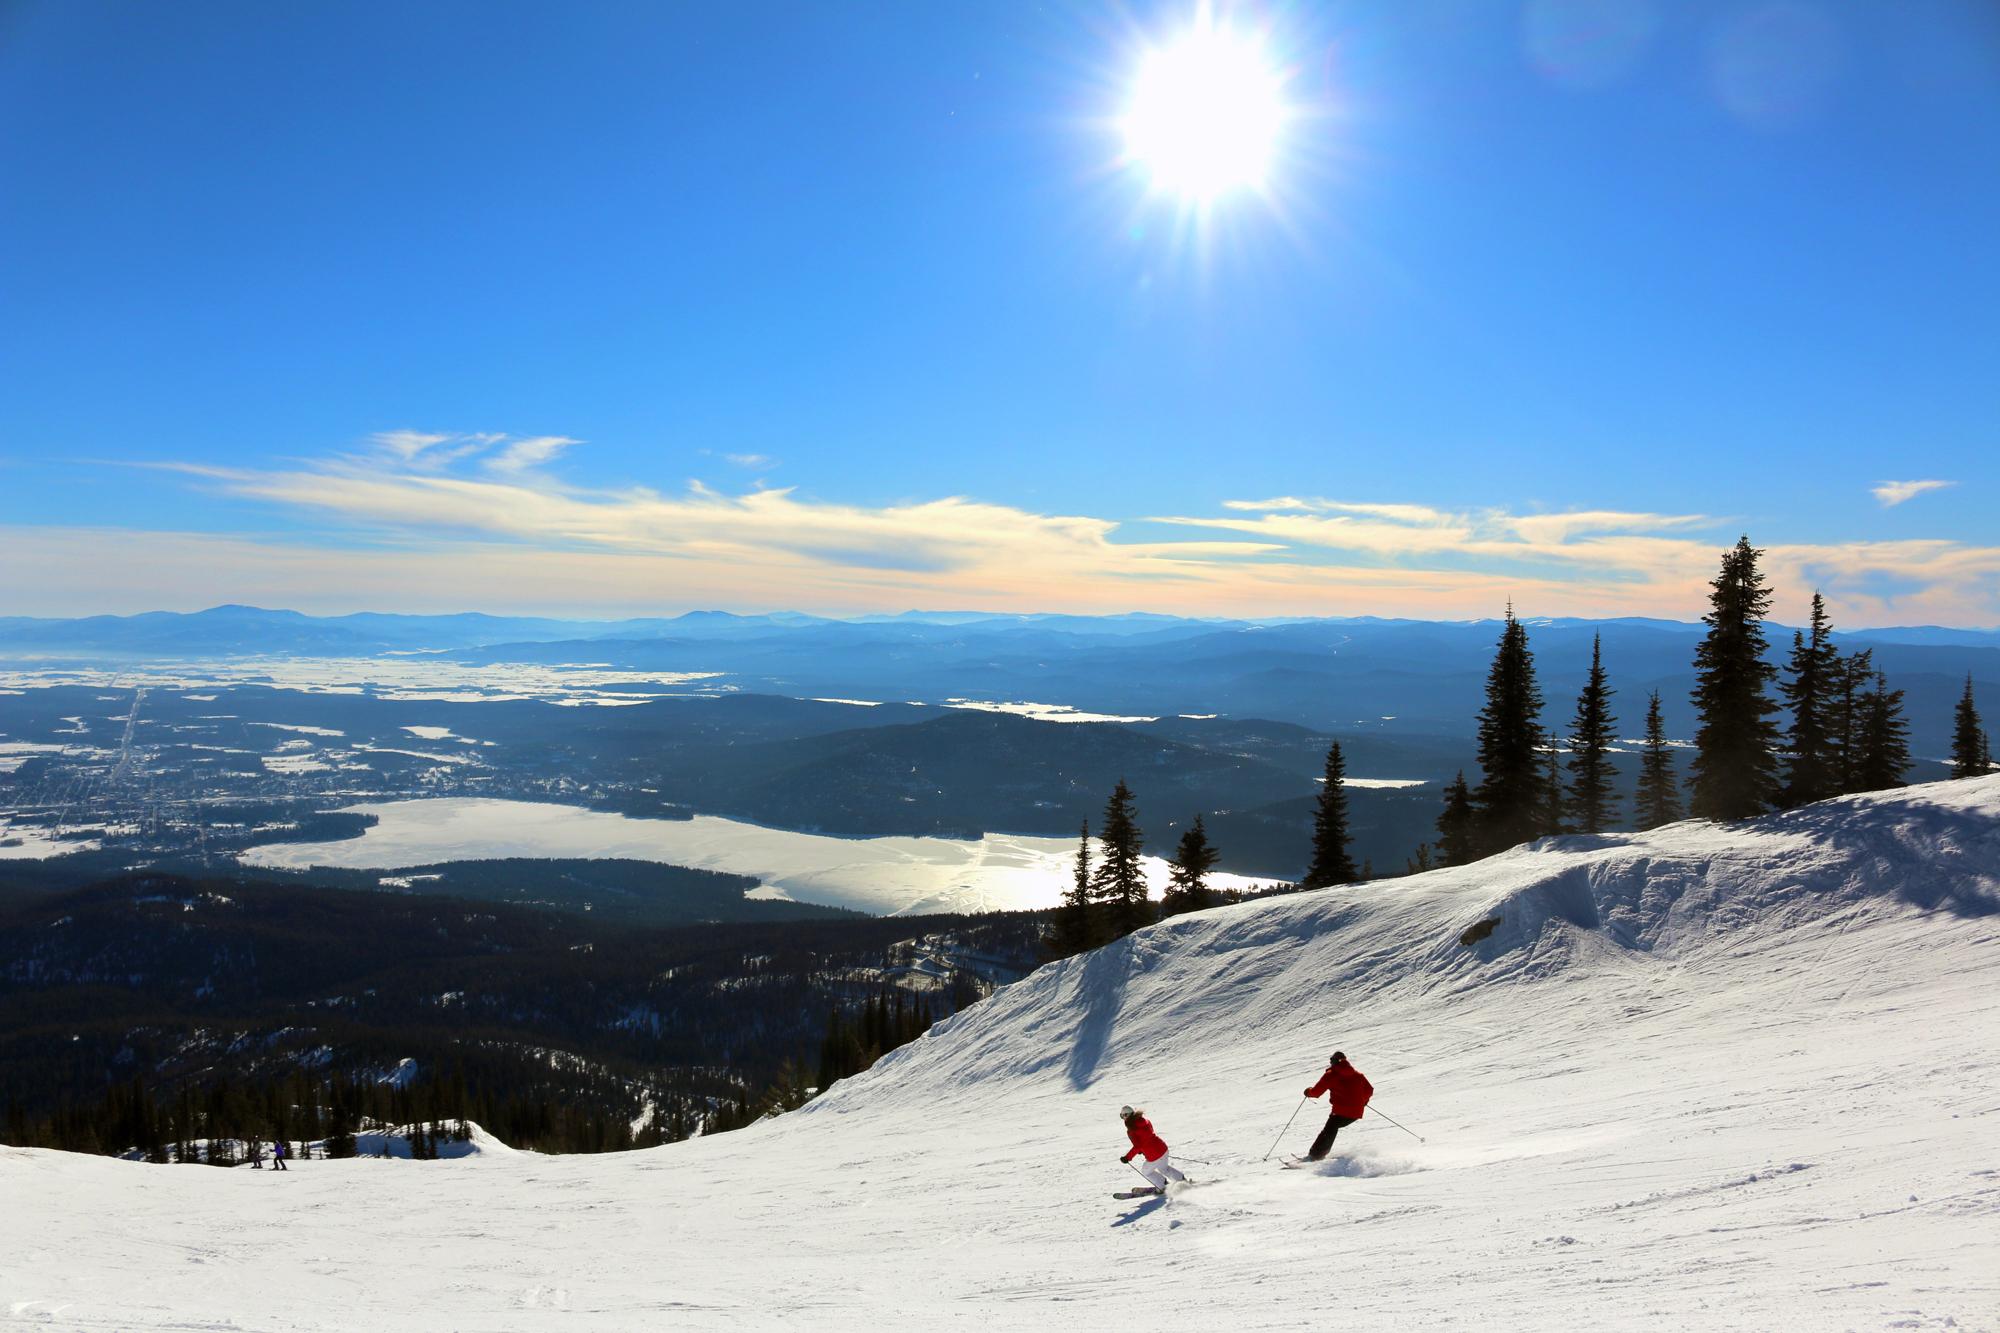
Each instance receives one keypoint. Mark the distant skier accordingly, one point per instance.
(277, 1154)
(1347, 1093)
(1159, 1167)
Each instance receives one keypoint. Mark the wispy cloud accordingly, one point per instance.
(430, 451)
(754, 462)
(1400, 531)
(1892, 493)
(485, 518)
(519, 456)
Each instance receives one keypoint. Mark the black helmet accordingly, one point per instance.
(1337, 1058)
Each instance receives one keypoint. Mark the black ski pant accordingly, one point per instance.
(1324, 1143)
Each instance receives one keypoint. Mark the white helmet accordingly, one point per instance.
(1126, 1113)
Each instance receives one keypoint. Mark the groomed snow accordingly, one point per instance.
(1706, 1077)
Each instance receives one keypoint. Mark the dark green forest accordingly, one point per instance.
(158, 1009)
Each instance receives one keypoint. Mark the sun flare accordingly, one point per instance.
(1206, 114)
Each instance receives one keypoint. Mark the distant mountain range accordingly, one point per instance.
(1407, 677)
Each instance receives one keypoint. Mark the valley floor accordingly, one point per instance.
(1700, 1078)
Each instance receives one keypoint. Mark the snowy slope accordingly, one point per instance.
(1742, 1077)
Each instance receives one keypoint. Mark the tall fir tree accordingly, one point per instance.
(1593, 804)
(1852, 674)
(1658, 800)
(1457, 826)
(1736, 744)
(1187, 874)
(1968, 737)
(1885, 738)
(1812, 760)
(1331, 863)
(1074, 930)
(1511, 796)
(1118, 881)
(1555, 802)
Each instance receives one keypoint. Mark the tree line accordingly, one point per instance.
(229, 1121)
(1840, 730)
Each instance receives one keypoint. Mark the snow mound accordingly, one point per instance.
(395, 1143)
(1710, 1077)
(1360, 954)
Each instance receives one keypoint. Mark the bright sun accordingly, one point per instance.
(1206, 113)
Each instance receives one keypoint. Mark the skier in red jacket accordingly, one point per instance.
(1347, 1093)
(1159, 1168)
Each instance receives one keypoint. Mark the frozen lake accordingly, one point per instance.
(884, 876)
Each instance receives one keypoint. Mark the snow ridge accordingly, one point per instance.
(1704, 1077)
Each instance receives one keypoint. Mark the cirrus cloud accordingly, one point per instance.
(1892, 493)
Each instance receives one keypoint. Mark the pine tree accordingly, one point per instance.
(1555, 804)
(1592, 802)
(1849, 715)
(1885, 738)
(1330, 862)
(1457, 827)
(340, 1140)
(1187, 881)
(1118, 880)
(1512, 792)
(1421, 861)
(1074, 930)
(1968, 738)
(1811, 768)
(1736, 744)
(1659, 796)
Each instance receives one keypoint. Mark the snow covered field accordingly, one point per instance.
(387, 677)
(885, 876)
(1705, 1077)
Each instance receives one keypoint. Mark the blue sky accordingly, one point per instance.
(856, 308)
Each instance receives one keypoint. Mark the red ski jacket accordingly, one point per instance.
(1144, 1140)
(1347, 1091)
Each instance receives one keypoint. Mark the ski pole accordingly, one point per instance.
(1399, 1125)
(1288, 1128)
(1148, 1179)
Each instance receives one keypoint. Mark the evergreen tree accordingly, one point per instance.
(1118, 881)
(1592, 802)
(1885, 738)
(1811, 772)
(1074, 930)
(1968, 738)
(1187, 882)
(1330, 862)
(340, 1141)
(1736, 744)
(1458, 842)
(1659, 796)
(1421, 861)
(1555, 805)
(1512, 794)
(1852, 674)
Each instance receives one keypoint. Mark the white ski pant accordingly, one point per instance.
(1160, 1172)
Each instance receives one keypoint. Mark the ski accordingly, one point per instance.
(1140, 1194)
(1296, 1163)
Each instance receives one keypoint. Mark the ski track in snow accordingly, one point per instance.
(1704, 1077)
